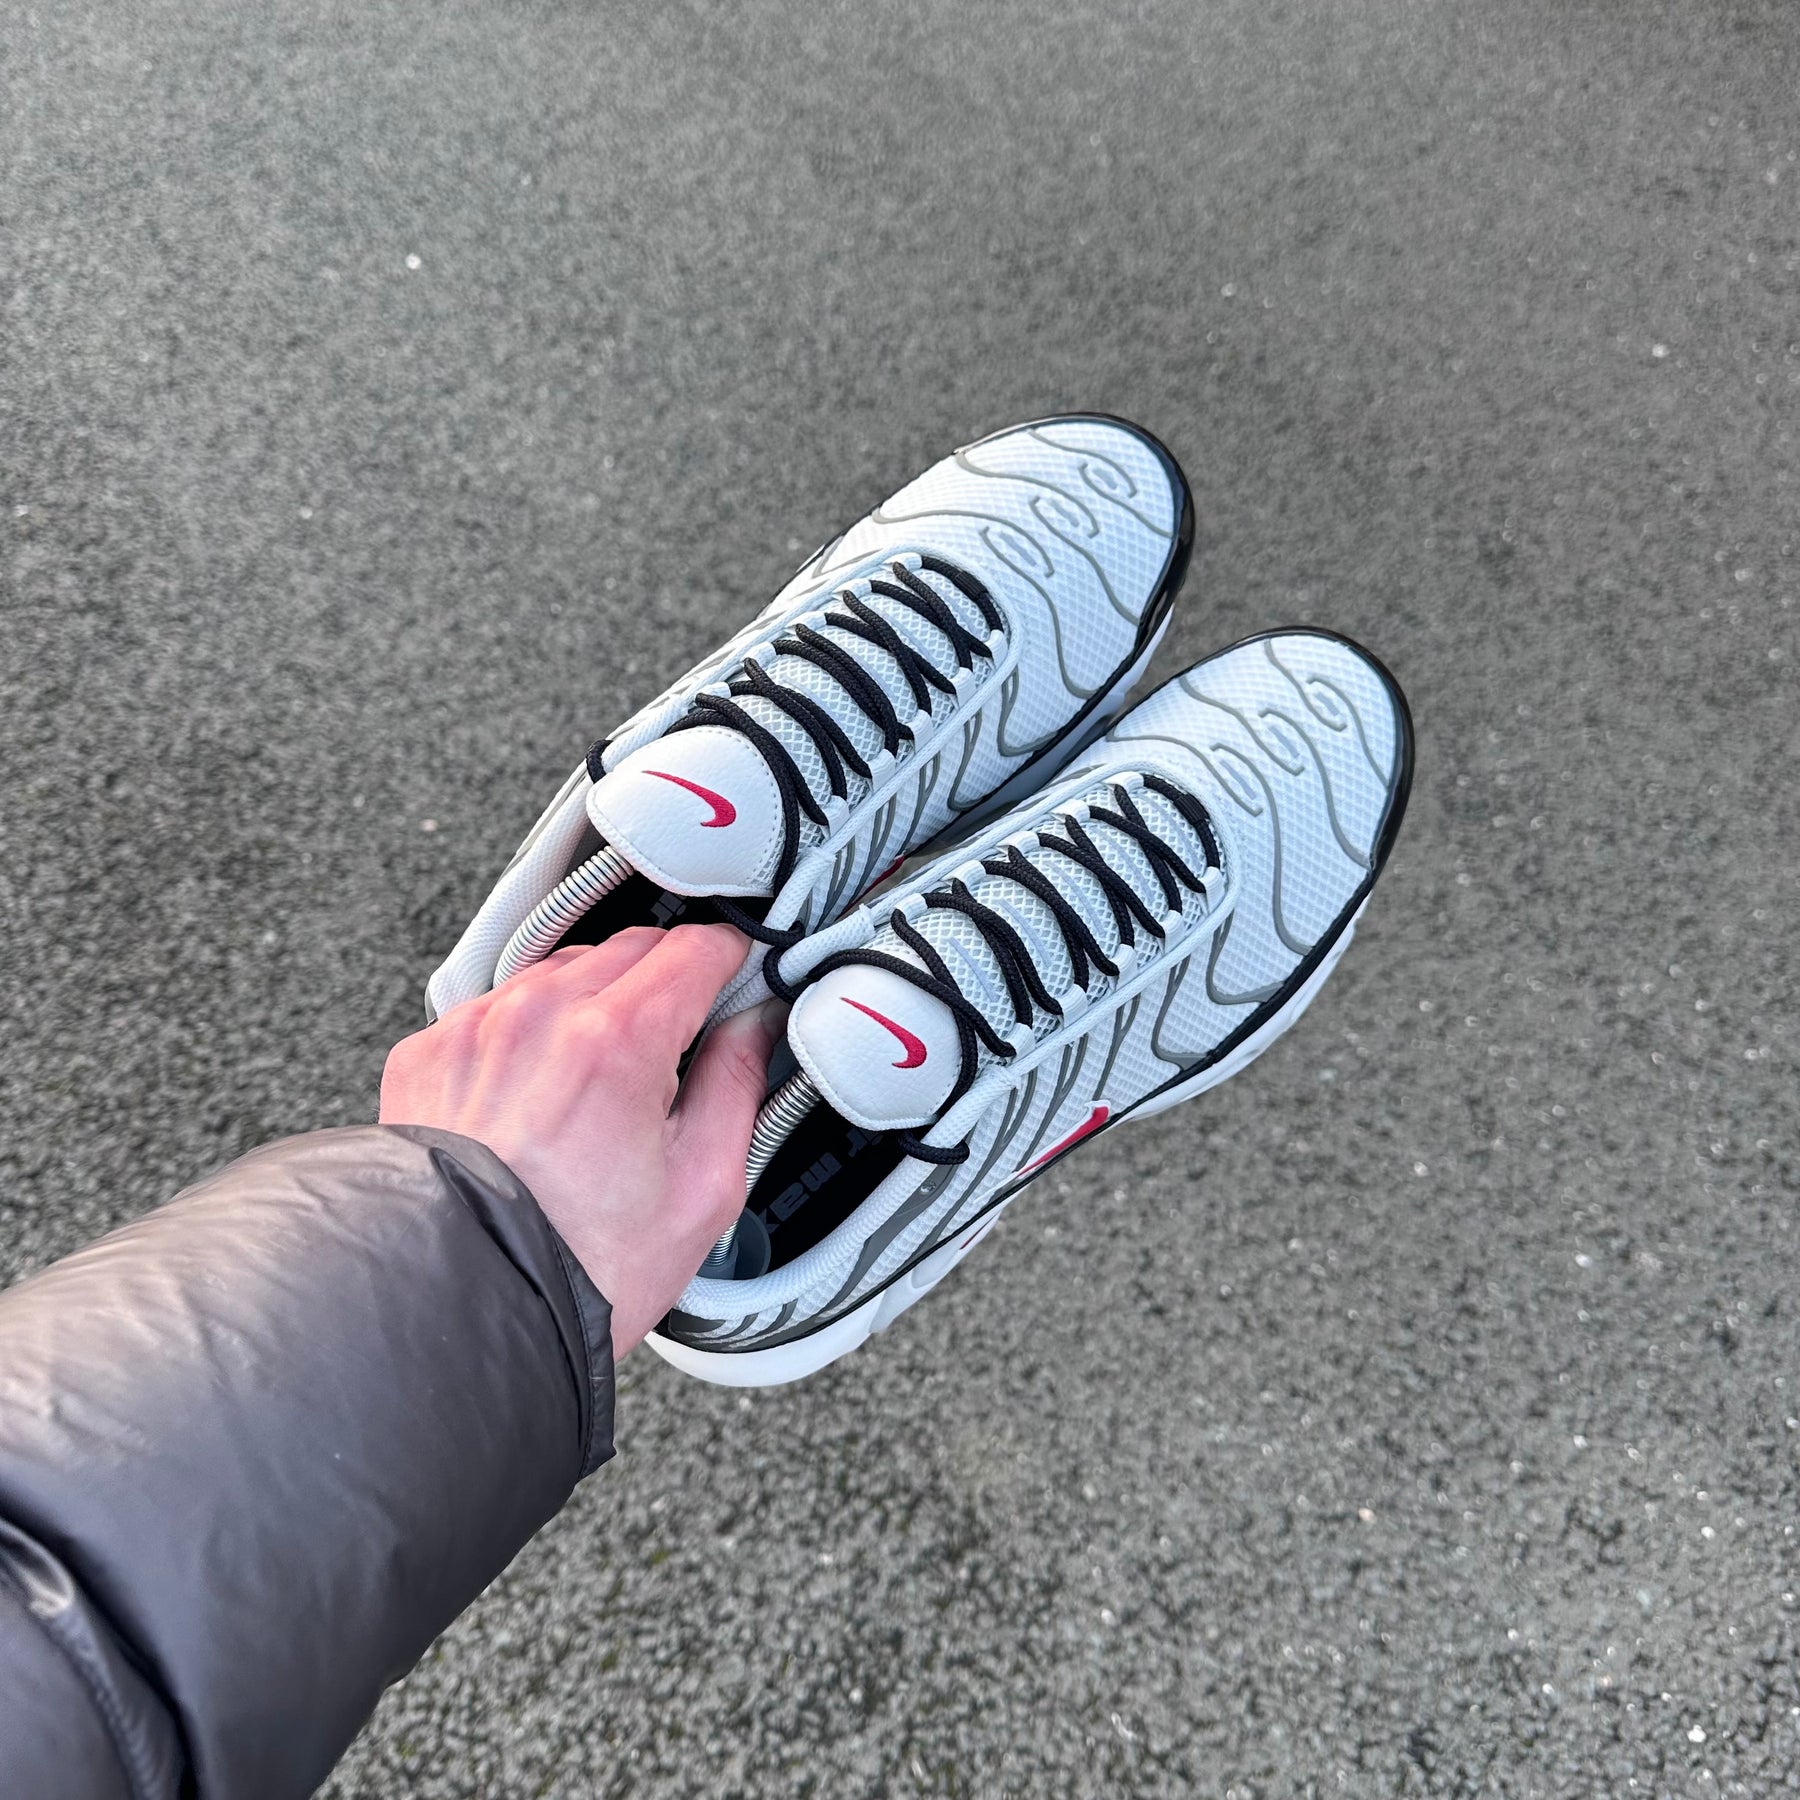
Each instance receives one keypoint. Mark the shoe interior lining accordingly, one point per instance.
(818, 1179)
(639, 901)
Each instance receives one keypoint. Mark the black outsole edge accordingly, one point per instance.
(1385, 839)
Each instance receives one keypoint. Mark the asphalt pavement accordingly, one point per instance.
(394, 396)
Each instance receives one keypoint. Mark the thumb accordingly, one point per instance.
(719, 1102)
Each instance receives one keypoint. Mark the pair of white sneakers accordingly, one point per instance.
(1116, 911)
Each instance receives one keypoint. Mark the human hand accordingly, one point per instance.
(568, 1074)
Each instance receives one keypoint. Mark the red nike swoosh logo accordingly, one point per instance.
(914, 1047)
(723, 811)
(1091, 1123)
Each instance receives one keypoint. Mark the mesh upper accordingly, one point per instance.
(971, 959)
(1070, 525)
(807, 677)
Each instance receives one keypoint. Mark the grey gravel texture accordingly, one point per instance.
(394, 396)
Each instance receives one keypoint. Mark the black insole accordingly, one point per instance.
(818, 1178)
(639, 901)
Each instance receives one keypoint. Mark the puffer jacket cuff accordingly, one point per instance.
(582, 1313)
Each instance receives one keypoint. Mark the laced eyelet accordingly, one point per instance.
(822, 637)
(1143, 918)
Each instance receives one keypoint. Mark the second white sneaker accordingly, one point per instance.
(1132, 935)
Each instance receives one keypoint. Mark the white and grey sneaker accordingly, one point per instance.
(939, 659)
(1127, 938)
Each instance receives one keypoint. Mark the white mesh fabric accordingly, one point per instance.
(966, 951)
(1070, 524)
(1295, 785)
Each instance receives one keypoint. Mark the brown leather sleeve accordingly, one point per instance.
(260, 1446)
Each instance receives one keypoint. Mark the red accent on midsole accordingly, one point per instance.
(723, 811)
(913, 1046)
(879, 879)
(1092, 1122)
(976, 1236)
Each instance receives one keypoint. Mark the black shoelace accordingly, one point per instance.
(854, 615)
(1024, 985)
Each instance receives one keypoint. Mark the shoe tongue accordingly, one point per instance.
(883, 1052)
(697, 811)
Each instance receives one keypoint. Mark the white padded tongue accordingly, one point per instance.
(883, 1052)
(696, 811)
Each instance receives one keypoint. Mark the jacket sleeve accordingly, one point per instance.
(258, 1448)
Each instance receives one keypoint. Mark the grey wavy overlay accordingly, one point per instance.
(1028, 557)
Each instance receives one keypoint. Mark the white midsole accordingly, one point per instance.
(782, 1363)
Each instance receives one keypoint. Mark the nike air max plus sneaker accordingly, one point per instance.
(1130, 936)
(943, 656)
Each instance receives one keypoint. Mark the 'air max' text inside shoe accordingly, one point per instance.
(943, 657)
(1135, 933)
